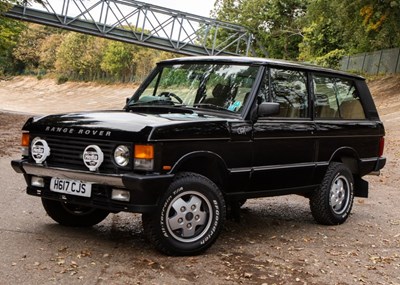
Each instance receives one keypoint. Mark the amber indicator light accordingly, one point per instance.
(144, 151)
(25, 139)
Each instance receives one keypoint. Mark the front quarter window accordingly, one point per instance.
(218, 87)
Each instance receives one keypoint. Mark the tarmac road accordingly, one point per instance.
(35, 250)
(277, 242)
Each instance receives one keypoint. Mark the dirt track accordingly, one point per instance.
(277, 241)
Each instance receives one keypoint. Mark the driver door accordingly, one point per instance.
(284, 145)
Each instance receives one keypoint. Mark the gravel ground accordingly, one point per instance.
(276, 242)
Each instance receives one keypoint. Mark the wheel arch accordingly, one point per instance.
(347, 156)
(206, 163)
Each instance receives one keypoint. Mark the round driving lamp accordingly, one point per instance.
(121, 155)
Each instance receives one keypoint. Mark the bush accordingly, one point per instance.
(331, 59)
(61, 79)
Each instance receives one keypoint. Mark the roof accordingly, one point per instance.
(258, 61)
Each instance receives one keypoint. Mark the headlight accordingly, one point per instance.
(121, 155)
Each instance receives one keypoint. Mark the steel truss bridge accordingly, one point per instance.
(140, 23)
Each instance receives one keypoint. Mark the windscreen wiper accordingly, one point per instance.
(211, 106)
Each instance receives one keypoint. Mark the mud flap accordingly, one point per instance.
(361, 187)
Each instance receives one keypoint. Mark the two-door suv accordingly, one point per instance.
(203, 134)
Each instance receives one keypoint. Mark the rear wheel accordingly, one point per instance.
(67, 214)
(189, 217)
(332, 202)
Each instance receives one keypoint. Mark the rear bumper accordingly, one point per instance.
(144, 189)
(371, 166)
(381, 162)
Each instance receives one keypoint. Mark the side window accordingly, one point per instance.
(289, 89)
(336, 98)
(326, 104)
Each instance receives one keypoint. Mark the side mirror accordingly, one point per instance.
(266, 109)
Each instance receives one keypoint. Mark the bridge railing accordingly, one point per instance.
(142, 24)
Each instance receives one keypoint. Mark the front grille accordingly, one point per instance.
(68, 152)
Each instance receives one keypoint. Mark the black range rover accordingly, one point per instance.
(201, 135)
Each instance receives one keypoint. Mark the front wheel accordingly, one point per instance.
(67, 214)
(331, 203)
(189, 217)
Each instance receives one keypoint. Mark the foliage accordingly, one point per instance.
(61, 79)
(118, 60)
(27, 50)
(276, 24)
(48, 50)
(319, 31)
(4, 6)
(145, 59)
(9, 34)
(315, 30)
(353, 26)
(381, 22)
(82, 57)
(331, 59)
(79, 57)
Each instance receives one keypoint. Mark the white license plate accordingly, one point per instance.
(71, 187)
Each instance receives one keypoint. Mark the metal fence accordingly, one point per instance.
(377, 62)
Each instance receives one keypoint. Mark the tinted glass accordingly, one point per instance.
(336, 98)
(201, 85)
(289, 89)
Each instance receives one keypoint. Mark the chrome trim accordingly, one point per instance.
(366, 160)
(284, 166)
(41, 170)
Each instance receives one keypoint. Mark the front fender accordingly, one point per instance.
(206, 163)
(196, 155)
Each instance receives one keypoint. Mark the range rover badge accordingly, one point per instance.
(93, 157)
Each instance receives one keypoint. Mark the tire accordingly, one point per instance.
(189, 217)
(73, 215)
(332, 201)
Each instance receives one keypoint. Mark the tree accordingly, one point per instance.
(276, 24)
(4, 6)
(79, 57)
(9, 34)
(49, 49)
(381, 22)
(28, 49)
(344, 26)
(145, 60)
(323, 30)
(118, 60)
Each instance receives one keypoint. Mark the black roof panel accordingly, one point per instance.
(258, 61)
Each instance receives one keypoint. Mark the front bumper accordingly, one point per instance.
(144, 189)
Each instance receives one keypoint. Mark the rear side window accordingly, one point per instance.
(336, 98)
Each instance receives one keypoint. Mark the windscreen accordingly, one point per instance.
(213, 86)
